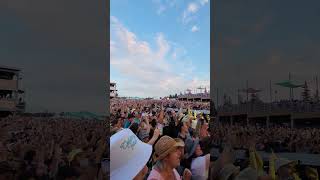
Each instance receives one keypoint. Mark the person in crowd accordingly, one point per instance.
(196, 161)
(149, 118)
(38, 147)
(183, 131)
(167, 158)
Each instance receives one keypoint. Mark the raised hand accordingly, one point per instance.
(156, 133)
(187, 174)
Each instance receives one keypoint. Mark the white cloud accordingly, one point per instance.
(193, 8)
(190, 12)
(174, 55)
(163, 5)
(203, 2)
(194, 29)
(146, 71)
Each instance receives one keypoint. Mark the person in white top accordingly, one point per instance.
(199, 164)
(167, 157)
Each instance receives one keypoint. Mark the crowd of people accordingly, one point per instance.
(275, 106)
(276, 138)
(45, 148)
(152, 141)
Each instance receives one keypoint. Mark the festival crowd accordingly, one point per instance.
(164, 139)
(276, 138)
(45, 148)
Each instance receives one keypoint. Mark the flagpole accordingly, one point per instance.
(290, 92)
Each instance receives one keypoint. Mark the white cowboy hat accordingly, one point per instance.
(128, 155)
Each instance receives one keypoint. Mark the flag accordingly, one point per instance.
(312, 173)
(272, 169)
(189, 113)
(259, 163)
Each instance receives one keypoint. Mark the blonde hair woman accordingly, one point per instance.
(167, 157)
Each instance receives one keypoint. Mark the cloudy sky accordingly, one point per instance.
(61, 48)
(159, 47)
(264, 40)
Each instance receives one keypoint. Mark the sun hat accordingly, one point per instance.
(128, 155)
(227, 171)
(282, 162)
(247, 174)
(178, 140)
(190, 146)
(164, 146)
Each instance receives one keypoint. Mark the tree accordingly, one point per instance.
(306, 92)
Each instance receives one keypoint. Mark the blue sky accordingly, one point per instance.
(159, 47)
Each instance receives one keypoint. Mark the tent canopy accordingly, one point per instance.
(288, 84)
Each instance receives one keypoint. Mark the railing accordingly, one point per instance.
(8, 84)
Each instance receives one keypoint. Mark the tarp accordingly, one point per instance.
(288, 84)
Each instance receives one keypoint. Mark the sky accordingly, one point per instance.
(61, 49)
(159, 47)
(264, 40)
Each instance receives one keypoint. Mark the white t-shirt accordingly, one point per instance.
(199, 168)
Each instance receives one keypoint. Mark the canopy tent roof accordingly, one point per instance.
(288, 84)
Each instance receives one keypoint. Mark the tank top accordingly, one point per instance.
(155, 175)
